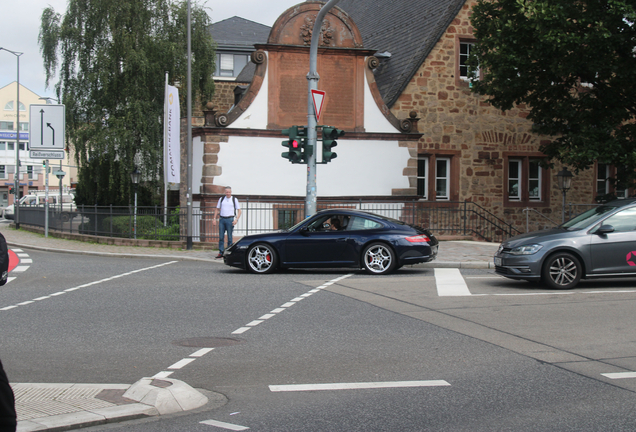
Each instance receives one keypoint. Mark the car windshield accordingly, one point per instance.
(588, 218)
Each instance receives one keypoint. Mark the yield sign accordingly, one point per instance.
(318, 96)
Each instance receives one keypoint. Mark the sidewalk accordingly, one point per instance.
(54, 407)
(452, 254)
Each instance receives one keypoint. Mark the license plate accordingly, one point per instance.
(497, 261)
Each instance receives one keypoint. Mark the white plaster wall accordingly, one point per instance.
(255, 116)
(374, 120)
(254, 166)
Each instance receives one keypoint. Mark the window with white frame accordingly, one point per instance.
(3, 172)
(602, 179)
(422, 177)
(442, 178)
(526, 181)
(534, 180)
(464, 53)
(514, 179)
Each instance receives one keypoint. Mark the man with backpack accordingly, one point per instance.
(230, 212)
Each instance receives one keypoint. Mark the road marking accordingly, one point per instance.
(224, 425)
(356, 386)
(620, 375)
(59, 293)
(252, 324)
(181, 363)
(450, 282)
(201, 352)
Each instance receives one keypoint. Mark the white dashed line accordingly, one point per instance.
(241, 330)
(59, 293)
(201, 352)
(620, 375)
(223, 425)
(181, 363)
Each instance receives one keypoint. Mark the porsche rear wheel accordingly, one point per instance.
(378, 259)
(261, 258)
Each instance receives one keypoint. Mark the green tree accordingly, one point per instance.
(573, 64)
(113, 57)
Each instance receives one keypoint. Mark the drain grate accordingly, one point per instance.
(207, 342)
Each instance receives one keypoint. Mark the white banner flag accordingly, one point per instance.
(172, 136)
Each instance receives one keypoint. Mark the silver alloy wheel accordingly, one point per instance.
(562, 271)
(261, 259)
(378, 259)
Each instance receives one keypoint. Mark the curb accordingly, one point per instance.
(146, 398)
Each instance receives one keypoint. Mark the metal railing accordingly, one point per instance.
(261, 216)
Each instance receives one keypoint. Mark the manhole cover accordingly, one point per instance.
(207, 342)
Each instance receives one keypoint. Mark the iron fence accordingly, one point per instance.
(261, 216)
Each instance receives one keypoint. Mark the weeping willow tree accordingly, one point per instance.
(110, 58)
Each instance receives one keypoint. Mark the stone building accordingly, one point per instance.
(396, 82)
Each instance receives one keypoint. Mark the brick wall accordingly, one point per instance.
(477, 136)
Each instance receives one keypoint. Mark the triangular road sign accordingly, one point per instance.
(318, 96)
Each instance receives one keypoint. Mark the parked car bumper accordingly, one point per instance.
(525, 267)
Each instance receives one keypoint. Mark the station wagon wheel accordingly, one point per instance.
(378, 259)
(561, 271)
(261, 258)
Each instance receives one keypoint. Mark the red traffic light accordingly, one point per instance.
(294, 144)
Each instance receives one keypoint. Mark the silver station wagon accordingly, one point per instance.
(598, 243)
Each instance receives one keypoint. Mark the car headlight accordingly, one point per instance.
(526, 250)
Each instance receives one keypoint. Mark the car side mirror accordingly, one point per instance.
(304, 231)
(604, 229)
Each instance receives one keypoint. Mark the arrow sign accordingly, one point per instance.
(46, 127)
(318, 97)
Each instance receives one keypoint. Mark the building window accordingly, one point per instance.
(3, 172)
(438, 175)
(230, 65)
(3, 145)
(464, 53)
(606, 186)
(4, 125)
(602, 179)
(514, 180)
(534, 180)
(24, 126)
(526, 182)
(422, 177)
(11, 107)
(442, 178)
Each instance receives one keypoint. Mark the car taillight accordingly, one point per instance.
(418, 239)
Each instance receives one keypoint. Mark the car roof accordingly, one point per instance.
(624, 202)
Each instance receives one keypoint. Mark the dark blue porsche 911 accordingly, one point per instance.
(336, 238)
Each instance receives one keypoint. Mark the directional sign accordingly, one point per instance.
(46, 127)
(319, 97)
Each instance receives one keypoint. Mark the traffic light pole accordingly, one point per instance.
(313, 77)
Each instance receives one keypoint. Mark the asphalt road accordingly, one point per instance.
(491, 355)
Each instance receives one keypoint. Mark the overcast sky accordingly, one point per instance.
(21, 26)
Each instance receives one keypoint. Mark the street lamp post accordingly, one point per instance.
(16, 180)
(564, 178)
(134, 176)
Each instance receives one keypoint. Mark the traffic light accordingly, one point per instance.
(329, 136)
(10, 190)
(296, 144)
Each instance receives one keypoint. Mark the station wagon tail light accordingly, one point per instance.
(418, 239)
